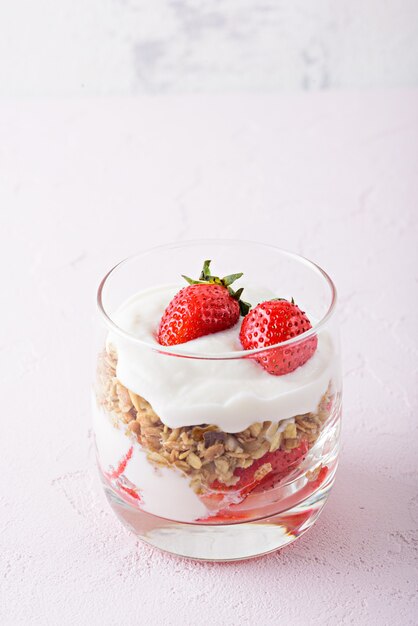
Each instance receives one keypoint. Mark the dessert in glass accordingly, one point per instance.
(217, 398)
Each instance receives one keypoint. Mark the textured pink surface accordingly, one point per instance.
(85, 183)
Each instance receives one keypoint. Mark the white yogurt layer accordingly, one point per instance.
(233, 394)
(164, 491)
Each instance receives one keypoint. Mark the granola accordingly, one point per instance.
(204, 453)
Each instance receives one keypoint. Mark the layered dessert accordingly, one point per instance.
(212, 410)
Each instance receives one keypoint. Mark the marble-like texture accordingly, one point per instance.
(120, 47)
(84, 183)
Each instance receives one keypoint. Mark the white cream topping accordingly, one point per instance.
(232, 394)
(163, 491)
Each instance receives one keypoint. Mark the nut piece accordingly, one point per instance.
(262, 450)
(211, 437)
(231, 443)
(125, 403)
(271, 430)
(275, 442)
(134, 427)
(213, 452)
(262, 471)
(290, 431)
(198, 432)
(251, 446)
(157, 458)
(135, 400)
(255, 429)
(222, 466)
(194, 461)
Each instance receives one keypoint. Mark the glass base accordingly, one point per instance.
(222, 542)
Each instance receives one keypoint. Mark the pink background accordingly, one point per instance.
(84, 183)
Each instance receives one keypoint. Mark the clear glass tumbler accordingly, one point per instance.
(201, 451)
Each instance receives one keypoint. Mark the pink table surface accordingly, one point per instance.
(84, 183)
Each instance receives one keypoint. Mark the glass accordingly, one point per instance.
(205, 454)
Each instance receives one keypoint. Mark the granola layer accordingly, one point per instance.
(204, 453)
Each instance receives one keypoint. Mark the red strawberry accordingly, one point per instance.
(266, 472)
(116, 473)
(273, 322)
(205, 306)
(282, 462)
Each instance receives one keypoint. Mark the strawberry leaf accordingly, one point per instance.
(206, 278)
(228, 280)
(205, 273)
(244, 307)
(194, 282)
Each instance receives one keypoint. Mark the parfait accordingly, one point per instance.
(217, 408)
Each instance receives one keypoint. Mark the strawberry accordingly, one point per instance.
(205, 306)
(282, 463)
(273, 322)
(116, 473)
(266, 472)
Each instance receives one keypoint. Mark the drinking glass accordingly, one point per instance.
(204, 453)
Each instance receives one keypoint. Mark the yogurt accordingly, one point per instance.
(232, 394)
(163, 491)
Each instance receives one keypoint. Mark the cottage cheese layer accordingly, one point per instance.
(232, 394)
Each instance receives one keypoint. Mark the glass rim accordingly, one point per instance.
(236, 354)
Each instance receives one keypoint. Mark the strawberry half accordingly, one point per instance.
(282, 462)
(205, 306)
(273, 322)
(266, 472)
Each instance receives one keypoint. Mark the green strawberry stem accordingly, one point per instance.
(206, 278)
(292, 301)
